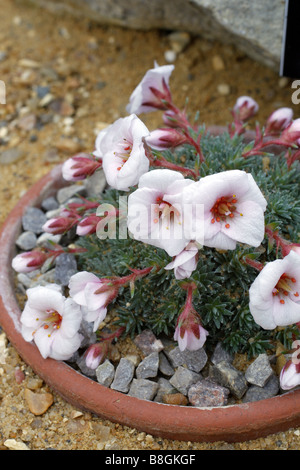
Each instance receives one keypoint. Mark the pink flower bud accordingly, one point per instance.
(59, 225)
(290, 376)
(291, 134)
(245, 108)
(162, 139)
(95, 354)
(279, 120)
(28, 261)
(79, 167)
(88, 225)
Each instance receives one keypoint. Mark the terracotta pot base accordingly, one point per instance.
(231, 423)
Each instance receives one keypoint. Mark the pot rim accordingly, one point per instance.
(233, 423)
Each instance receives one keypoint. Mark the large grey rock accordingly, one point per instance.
(228, 376)
(254, 26)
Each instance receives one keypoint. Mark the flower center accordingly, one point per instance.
(164, 209)
(125, 149)
(52, 321)
(224, 209)
(285, 287)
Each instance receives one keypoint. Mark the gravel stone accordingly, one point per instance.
(33, 220)
(26, 241)
(164, 388)
(148, 343)
(255, 393)
(49, 204)
(193, 360)
(10, 156)
(164, 366)
(260, 371)
(220, 354)
(183, 379)
(143, 389)
(206, 393)
(64, 194)
(228, 376)
(65, 267)
(148, 367)
(123, 375)
(105, 373)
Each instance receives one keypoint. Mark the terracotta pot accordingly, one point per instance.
(231, 423)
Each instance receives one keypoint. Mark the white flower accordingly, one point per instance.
(93, 294)
(274, 295)
(121, 149)
(185, 263)
(52, 322)
(152, 89)
(155, 214)
(233, 209)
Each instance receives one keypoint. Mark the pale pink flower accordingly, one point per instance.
(233, 209)
(79, 167)
(28, 261)
(122, 151)
(52, 322)
(151, 91)
(279, 120)
(155, 213)
(185, 263)
(161, 139)
(93, 294)
(275, 293)
(191, 338)
(289, 376)
(245, 108)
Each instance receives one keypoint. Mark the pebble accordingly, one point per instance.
(175, 399)
(223, 89)
(179, 40)
(95, 184)
(183, 379)
(255, 393)
(105, 373)
(147, 342)
(259, 372)
(26, 241)
(33, 220)
(65, 267)
(148, 367)
(220, 354)
(193, 360)
(12, 444)
(10, 156)
(49, 204)
(206, 393)
(217, 63)
(164, 388)
(64, 194)
(38, 403)
(164, 366)
(170, 56)
(143, 389)
(123, 375)
(228, 376)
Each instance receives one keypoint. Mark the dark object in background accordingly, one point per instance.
(290, 56)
